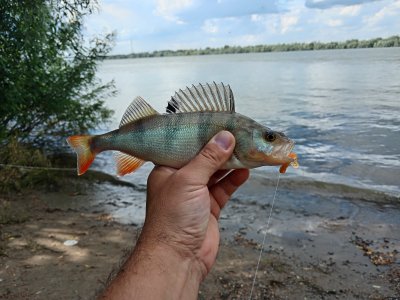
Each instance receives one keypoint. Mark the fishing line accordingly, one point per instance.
(38, 168)
(265, 236)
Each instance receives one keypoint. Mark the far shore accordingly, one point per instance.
(393, 41)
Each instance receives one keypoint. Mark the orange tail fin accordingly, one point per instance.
(85, 156)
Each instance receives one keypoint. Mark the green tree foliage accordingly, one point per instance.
(48, 87)
(393, 41)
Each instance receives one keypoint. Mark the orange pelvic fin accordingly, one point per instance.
(85, 156)
(294, 163)
(127, 164)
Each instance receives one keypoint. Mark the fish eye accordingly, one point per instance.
(270, 136)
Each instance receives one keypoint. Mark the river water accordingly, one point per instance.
(341, 107)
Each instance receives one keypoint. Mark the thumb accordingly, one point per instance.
(211, 158)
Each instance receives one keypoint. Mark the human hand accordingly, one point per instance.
(183, 206)
(180, 237)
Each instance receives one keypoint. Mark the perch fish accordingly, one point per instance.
(194, 115)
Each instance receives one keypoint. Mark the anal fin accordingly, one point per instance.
(127, 163)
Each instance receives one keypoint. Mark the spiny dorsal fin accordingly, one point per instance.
(138, 109)
(203, 97)
(126, 163)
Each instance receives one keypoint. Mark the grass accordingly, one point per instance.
(16, 178)
(9, 214)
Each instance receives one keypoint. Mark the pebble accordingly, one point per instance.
(376, 286)
(70, 243)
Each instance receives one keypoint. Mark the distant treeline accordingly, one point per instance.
(393, 41)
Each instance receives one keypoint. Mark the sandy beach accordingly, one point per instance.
(319, 245)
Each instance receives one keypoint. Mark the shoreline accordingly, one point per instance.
(379, 42)
(318, 245)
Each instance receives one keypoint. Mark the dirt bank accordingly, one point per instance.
(311, 251)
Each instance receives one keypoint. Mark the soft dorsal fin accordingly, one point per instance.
(138, 109)
(126, 163)
(202, 98)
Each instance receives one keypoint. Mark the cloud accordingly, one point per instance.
(210, 26)
(268, 23)
(384, 13)
(352, 10)
(288, 21)
(116, 11)
(334, 22)
(280, 23)
(201, 10)
(169, 8)
(324, 4)
(182, 24)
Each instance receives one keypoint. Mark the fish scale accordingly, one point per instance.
(169, 140)
(194, 116)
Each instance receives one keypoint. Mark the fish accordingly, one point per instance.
(193, 116)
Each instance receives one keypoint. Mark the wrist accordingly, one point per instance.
(170, 253)
(165, 272)
(186, 245)
(157, 271)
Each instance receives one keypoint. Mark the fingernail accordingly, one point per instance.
(223, 139)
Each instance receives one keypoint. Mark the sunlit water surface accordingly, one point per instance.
(341, 107)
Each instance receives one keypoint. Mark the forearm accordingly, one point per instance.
(155, 271)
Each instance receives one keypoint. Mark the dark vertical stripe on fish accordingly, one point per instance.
(199, 138)
(169, 134)
(206, 130)
(140, 129)
(232, 122)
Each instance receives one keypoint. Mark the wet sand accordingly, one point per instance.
(323, 242)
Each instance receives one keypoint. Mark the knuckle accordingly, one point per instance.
(180, 175)
(210, 154)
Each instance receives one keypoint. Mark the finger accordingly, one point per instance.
(215, 209)
(210, 159)
(217, 177)
(159, 168)
(227, 186)
(160, 173)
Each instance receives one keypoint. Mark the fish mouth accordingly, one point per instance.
(281, 151)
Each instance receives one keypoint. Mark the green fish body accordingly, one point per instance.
(193, 117)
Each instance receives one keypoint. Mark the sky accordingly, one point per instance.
(148, 25)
